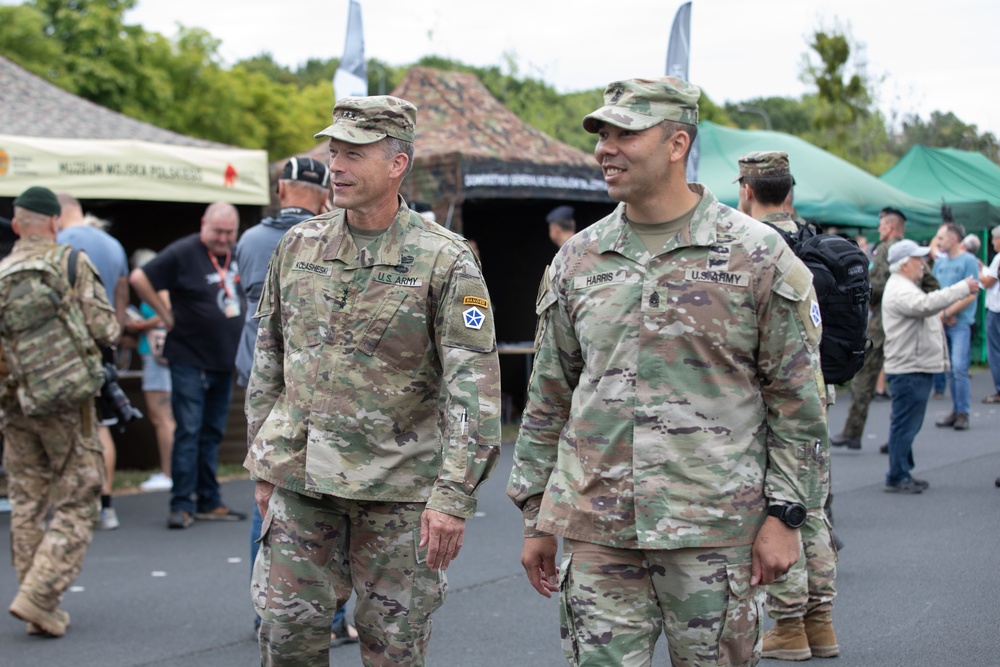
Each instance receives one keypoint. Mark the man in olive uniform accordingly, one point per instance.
(891, 226)
(373, 405)
(802, 601)
(52, 462)
(674, 428)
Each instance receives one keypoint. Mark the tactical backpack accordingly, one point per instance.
(840, 277)
(50, 353)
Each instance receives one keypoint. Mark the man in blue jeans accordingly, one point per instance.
(204, 321)
(955, 266)
(914, 351)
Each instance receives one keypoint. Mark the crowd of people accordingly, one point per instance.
(675, 434)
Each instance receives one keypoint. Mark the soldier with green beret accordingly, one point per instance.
(373, 405)
(52, 459)
(675, 411)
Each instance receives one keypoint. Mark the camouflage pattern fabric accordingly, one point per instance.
(762, 164)
(55, 461)
(310, 552)
(700, 598)
(51, 462)
(639, 104)
(809, 586)
(365, 120)
(375, 374)
(667, 385)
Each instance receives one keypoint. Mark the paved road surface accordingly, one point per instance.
(918, 578)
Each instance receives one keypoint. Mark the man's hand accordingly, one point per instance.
(442, 534)
(539, 560)
(775, 551)
(262, 495)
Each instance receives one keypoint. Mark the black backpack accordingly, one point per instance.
(840, 276)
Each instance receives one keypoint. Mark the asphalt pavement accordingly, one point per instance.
(917, 579)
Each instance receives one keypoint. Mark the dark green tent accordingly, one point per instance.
(966, 181)
(828, 189)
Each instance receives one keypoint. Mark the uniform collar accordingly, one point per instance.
(389, 247)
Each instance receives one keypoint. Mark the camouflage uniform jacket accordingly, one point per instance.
(878, 275)
(93, 299)
(782, 220)
(375, 373)
(672, 396)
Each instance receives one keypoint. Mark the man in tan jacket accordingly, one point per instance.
(915, 349)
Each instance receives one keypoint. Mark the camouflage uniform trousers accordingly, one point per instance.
(312, 550)
(54, 474)
(862, 392)
(615, 603)
(808, 587)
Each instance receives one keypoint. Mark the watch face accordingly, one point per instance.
(795, 515)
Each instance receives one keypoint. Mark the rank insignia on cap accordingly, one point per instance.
(814, 314)
(474, 318)
(475, 301)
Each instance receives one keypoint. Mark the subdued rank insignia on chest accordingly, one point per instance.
(725, 277)
(814, 314)
(474, 318)
(475, 301)
(318, 269)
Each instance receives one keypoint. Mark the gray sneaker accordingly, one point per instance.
(109, 519)
(909, 486)
(179, 519)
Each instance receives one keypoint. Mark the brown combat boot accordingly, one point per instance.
(822, 639)
(52, 623)
(787, 641)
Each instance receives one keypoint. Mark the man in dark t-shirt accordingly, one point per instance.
(204, 318)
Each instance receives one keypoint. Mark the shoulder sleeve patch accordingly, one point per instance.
(793, 280)
(467, 322)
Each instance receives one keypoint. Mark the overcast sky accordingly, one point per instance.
(928, 55)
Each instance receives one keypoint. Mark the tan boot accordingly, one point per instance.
(53, 623)
(37, 630)
(787, 641)
(822, 639)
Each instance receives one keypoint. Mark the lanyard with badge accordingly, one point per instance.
(231, 304)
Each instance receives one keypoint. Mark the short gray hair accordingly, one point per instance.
(897, 266)
(393, 146)
(996, 232)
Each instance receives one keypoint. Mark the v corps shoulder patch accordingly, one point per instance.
(468, 319)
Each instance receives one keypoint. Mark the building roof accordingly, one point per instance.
(30, 106)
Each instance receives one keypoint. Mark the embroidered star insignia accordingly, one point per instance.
(474, 318)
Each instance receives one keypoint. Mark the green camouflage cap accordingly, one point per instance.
(762, 164)
(638, 104)
(365, 120)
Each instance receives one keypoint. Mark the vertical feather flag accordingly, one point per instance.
(351, 79)
(678, 58)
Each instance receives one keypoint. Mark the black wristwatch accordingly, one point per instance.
(792, 515)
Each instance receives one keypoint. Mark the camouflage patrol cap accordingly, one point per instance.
(365, 120)
(763, 164)
(638, 104)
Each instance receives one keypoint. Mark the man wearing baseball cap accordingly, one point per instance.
(373, 405)
(561, 224)
(675, 415)
(915, 349)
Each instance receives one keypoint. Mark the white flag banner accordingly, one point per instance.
(351, 79)
(678, 60)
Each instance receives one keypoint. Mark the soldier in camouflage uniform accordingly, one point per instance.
(53, 463)
(373, 406)
(675, 402)
(891, 226)
(801, 602)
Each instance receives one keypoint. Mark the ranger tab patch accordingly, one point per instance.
(475, 301)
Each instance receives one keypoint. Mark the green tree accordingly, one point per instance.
(787, 114)
(946, 130)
